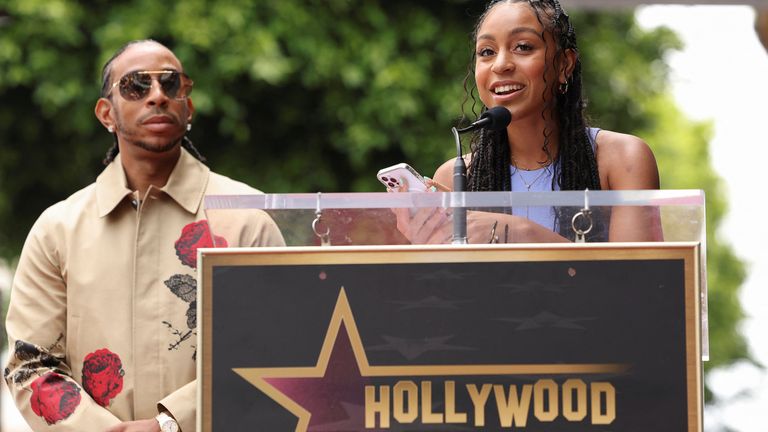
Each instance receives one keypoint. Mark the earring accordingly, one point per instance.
(111, 129)
(189, 127)
(563, 87)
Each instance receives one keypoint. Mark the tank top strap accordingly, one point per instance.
(592, 132)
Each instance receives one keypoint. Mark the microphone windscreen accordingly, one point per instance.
(499, 117)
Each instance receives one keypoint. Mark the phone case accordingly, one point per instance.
(397, 175)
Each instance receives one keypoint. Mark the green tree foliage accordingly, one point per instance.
(683, 155)
(317, 95)
(632, 96)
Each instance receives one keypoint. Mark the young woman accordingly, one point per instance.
(527, 61)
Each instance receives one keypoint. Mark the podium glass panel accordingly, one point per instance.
(370, 218)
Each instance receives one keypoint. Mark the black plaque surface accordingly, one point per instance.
(440, 339)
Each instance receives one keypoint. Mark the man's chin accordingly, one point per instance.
(158, 147)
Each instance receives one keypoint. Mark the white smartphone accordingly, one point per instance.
(402, 174)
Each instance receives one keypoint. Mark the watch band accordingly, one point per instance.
(167, 423)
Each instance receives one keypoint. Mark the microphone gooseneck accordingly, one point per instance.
(495, 119)
(459, 185)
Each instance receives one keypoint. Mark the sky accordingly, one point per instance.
(721, 75)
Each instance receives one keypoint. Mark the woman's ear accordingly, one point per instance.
(568, 65)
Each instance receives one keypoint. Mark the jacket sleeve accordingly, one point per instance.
(38, 374)
(181, 406)
(266, 231)
(245, 228)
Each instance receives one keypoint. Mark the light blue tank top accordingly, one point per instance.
(540, 180)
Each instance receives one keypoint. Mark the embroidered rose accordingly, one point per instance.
(54, 398)
(193, 236)
(103, 376)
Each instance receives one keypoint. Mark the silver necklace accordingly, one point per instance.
(528, 185)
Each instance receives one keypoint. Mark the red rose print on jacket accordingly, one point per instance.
(103, 376)
(196, 235)
(54, 398)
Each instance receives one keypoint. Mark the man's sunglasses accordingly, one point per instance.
(136, 85)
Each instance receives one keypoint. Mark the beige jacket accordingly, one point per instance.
(102, 320)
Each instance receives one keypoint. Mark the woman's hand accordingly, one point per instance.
(424, 225)
(487, 227)
(430, 225)
(435, 186)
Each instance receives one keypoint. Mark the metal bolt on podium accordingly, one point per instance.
(584, 219)
(317, 224)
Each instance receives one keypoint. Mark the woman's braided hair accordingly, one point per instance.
(106, 86)
(575, 163)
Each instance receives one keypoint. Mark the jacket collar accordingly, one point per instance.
(186, 184)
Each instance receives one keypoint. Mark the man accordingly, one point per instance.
(102, 320)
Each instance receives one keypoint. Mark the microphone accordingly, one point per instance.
(495, 119)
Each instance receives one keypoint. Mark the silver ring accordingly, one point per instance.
(317, 221)
(586, 214)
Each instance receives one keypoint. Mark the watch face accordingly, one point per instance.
(169, 426)
(167, 423)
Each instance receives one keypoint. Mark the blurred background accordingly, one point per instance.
(318, 95)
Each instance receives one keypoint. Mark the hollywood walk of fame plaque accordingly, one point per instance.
(472, 338)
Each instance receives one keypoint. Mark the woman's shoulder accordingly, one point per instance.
(613, 142)
(625, 161)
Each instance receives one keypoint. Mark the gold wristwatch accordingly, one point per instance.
(167, 423)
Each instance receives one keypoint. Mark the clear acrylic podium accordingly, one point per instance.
(349, 219)
(368, 218)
